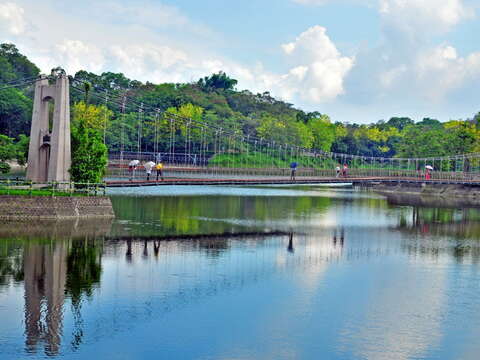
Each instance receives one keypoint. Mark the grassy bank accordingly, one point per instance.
(38, 192)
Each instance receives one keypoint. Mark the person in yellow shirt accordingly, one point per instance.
(159, 168)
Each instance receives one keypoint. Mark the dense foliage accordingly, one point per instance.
(89, 154)
(15, 104)
(214, 100)
(9, 150)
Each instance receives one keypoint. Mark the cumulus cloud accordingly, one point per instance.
(441, 70)
(151, 41)
(12, 19)
(143, 61)
(315, 74)
(320, 68)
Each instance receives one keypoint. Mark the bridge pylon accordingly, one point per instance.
(49, 152)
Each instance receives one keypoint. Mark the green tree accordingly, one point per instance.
(21, 149)
(89, 153)
(418, 141)
(218, 81)
(463, 137)
(323, 132)
(7, 152)
(22, 67)
(15, 112)
(400, 122)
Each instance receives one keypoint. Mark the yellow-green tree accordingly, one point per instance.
(89, 153)
(323, 132)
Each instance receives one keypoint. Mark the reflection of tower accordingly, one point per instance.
(45, 274)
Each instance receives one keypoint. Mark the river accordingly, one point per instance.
(245, 273)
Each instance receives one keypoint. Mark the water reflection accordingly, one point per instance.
(54, 260)
(45, 272)
(376, 278)
(290, 248)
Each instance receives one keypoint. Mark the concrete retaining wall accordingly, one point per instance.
(61, 207)
(430, 190)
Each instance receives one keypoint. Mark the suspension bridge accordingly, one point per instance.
(196, 152)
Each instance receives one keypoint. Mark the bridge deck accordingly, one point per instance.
(287, 181)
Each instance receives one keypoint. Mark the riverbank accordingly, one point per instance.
(447, 191)
(55, 207)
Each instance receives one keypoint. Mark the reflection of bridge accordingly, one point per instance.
(210, 265)
(48, 268)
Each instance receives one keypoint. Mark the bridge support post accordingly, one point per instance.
(49, 152)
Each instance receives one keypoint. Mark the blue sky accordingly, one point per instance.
(356, 60)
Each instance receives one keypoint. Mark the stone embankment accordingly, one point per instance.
(51, 207)
(464, 193)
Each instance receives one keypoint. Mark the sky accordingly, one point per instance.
(358, 61)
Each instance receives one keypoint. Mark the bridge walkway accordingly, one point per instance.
(287, 181)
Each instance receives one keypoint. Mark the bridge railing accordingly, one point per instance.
(55, 188)
(119, 169)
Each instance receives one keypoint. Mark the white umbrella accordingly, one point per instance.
(134, 163)
(429, 167)
(149, 165)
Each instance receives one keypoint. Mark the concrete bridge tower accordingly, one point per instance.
(49, 153)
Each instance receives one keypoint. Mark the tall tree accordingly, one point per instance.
(89, 153)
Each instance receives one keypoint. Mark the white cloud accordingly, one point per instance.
(390, 76)
(411, 15)
(76, 55)
(424, 15)
(320, 68)
(316, 72)
(440, 70)
(151, 41)
(12, 19)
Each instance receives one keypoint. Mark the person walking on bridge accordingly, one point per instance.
(428, 172)
(132, 166)
(337, 171)
(159, 168)
(148, 168)
(293, 167)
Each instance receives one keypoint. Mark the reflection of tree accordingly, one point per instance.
(443, 231)
(51, 264)
(11, 266)
(181, 215)
(84, 269)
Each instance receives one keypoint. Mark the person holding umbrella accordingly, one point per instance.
(148, 168)
(428, 172)
(132, 166)
(293, 167)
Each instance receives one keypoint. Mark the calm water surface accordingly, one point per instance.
(245, 273)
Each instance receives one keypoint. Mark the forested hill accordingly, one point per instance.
(215, 100)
